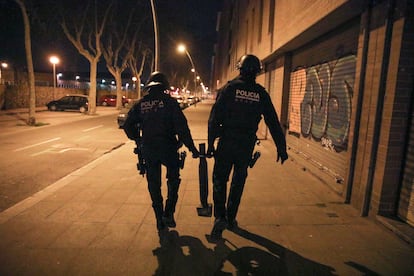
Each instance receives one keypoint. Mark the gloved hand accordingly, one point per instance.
(282, 156)
(210, 151)
(195, 153)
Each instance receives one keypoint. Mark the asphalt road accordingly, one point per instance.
(33, 159)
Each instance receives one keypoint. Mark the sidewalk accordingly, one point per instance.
(98, 220)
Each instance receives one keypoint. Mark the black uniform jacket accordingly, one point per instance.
(238, 109)
(160, 119)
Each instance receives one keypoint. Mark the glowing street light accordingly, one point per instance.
(54, 60)
(134, 79)
(3, 65)
(182, 49)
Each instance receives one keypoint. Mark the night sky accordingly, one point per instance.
(191, 22)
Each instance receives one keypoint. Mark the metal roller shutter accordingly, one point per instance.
(320, 103)
(406, 203)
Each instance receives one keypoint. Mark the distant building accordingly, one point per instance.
(340, 74)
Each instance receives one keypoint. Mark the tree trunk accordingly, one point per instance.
(30, 71)
(138, 88)
(118, 81)
(92, 89)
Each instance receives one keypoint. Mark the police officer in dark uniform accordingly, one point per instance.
(158, 117)
(234, 119)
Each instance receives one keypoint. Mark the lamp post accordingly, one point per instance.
(54, 60)
(157, 47)
(182, 49)
(134, 79)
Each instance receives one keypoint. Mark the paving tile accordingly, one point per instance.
(78, 235)
(115, 236)
(99, 213)
(69, 212)
(131, 213)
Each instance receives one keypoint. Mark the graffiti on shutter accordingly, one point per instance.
(320, 111)
(321, 102)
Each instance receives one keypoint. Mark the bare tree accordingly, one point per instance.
(29, 59)
(116, 63)
(119, 45)
(85, 33)
(137, 62)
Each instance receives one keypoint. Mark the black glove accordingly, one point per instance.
(210, 151)
(195, 152)
(283, 156)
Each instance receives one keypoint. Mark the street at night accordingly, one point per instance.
(41, 155)
(301, 154)
(98, 219)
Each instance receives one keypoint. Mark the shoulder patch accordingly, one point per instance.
(249, 96)
(151, 105)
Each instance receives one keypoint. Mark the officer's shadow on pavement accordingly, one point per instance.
(187, 255)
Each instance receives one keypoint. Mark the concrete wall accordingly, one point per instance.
(17, 96)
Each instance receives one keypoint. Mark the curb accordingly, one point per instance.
(25, 204)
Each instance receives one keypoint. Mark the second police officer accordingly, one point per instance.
(156, 120)
(234, 119)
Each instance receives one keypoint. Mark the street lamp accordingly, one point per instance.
(54, 60)
(134, 79)
(3, 65)
(182, 49)
(157, 46)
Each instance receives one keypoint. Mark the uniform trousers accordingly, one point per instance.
(155, 158)
(231, 153)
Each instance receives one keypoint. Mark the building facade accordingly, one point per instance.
(340, 74)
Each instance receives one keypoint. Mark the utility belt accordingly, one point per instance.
(142, 164)
(243, 142)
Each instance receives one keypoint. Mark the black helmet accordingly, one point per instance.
(249, 65)
(157, 79)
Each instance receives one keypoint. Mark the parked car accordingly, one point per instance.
(182, 101)
(69, 102)
(110, 100)
(123, 113)
(192, 100)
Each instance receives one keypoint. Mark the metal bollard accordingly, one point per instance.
(205, 210)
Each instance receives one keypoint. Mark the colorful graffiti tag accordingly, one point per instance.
(320, 102)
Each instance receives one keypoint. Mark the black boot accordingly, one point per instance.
(168, 217)
(169, 220)
(232, 224)
(161, 225)
(217, 231)
(158, 210)
(231, 218)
